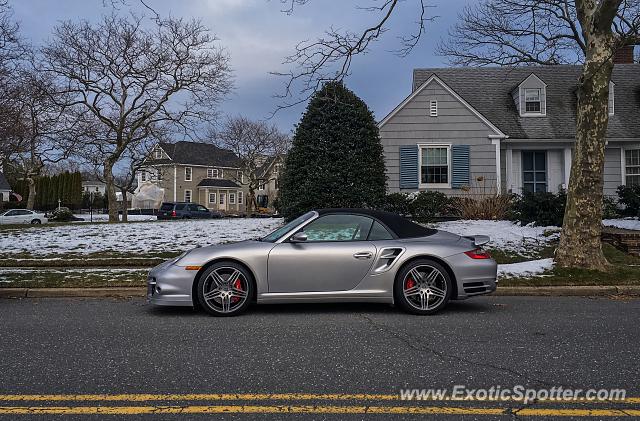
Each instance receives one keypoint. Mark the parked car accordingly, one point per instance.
(183, 210)
(330, 255)
(22, 216)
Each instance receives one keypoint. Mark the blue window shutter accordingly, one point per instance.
(460, 163)
(409, 167)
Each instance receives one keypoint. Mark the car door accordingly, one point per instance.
(26, 216)
(335, 257)
(203, 212)
(12, 217)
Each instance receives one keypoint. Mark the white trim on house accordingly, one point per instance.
(612, 98)
(450, 91)
(568, 162)
(422, 185)
(175, 183)
(190, 178)
(190, 195)
(496, 141)
(215, 197)
(433, 108)
(623, 165)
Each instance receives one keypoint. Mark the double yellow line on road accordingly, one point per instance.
(287, 406)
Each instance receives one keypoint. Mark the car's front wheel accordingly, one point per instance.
(225, 289)
(423, 287)
(35, 222)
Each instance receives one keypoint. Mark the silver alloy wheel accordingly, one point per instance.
(225, 289)
(424, 287)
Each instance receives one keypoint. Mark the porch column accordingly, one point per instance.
(509, 169)
(495, 140)
(567, 166)
(623, 167)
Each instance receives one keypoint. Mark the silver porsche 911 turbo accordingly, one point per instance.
(330, 255)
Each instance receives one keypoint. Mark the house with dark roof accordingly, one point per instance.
(5, 188)
(192, 172)
(504, 130)
(268, 181)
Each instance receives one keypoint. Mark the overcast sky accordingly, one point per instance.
(258, 36)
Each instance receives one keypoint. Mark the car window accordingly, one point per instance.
(166, 207)
(202, 208)
(339, 228)
(275, 235)
(379, 232)
(180, 206)
(12, 213)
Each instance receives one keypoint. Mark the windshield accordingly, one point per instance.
(275, 235)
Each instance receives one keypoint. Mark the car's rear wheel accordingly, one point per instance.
(423, 287)
(225, 289)
(36, 221)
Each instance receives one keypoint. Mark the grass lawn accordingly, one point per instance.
(624, 270)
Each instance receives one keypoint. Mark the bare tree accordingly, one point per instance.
(548, 32)
(329, 58)
(134, 80)
(46, 131)
(253, 142)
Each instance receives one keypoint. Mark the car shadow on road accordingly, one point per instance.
(475, 306)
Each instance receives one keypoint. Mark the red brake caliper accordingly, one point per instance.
(237, 285)
(410, 283)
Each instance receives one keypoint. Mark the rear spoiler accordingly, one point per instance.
(478, 240)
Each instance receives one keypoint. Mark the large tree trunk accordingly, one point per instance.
(125, 215)
(31, 200)
(251, 203)
(580, 243)
(111, 191)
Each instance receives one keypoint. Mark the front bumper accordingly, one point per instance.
(170, 285)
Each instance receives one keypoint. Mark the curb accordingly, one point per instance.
(569, 291)
(116, 292)
(129, 292)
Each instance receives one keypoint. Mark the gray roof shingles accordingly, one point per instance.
(4, 184)
(195, 153)
(217, 182)
(488, 90)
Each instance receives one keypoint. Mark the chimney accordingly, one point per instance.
(624, 55)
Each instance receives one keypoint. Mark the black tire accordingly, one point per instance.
(398, 287)
(36, 222)
(204, 282)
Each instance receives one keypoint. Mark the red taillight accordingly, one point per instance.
(478, 254)
(173, 214)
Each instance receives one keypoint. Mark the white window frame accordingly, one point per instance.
(190, 196)
(212, 173)
(433, 108)
(190, 172)
(215, 198)
(157, 153)
(262, 185)
(143, 176)
(240, 176)
(232, 198)
(524, 103)
(240, 197)
(626, 166)
(422, 146)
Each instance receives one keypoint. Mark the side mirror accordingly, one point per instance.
(299, 237)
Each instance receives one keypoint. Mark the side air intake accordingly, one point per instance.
(388, 256)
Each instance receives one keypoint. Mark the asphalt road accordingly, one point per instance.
(363, 353)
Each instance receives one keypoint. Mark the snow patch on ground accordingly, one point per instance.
(525, 269)
(101, 217)
(505, 235)
(626, 223)
(173, 236)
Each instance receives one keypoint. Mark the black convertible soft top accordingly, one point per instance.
(398, 225)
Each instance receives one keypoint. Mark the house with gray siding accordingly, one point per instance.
(488, 130)
(5, 188)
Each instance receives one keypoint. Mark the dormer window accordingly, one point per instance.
(158, 153)
(531, 97)
(532, 101)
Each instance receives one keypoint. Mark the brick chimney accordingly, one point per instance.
(624, 55)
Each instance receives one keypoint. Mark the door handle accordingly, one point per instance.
(363, 255)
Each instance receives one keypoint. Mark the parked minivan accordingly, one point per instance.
(184, 210)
